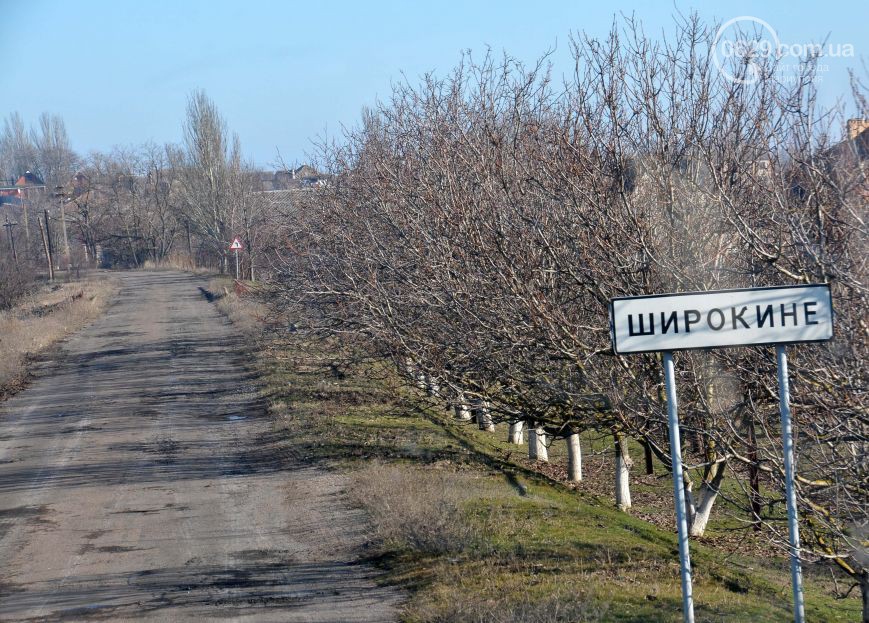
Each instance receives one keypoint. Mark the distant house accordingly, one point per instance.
(303, 171)
(297, 178)
(27, 186)
(855, 147)
(283, 180)
(306, 176)
(849, 159)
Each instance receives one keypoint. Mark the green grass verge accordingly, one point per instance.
(530, 549)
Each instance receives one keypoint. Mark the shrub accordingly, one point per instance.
(15, 282)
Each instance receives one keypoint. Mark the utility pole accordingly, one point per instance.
(11, 237)
(58, 192)
(51, 249)
(46, 247)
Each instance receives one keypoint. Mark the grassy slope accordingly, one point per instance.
(529, 549)
(39, 320)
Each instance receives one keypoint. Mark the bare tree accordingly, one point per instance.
(205, 175)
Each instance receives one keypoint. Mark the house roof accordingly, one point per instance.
(275, 198)
(305, 171)
(856, 147)
(29, 179)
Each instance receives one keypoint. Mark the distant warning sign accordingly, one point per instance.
(235, 246)
(753, 316)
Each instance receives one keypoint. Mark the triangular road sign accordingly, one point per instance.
(235, 246)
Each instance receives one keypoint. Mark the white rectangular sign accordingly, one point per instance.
(748, 317)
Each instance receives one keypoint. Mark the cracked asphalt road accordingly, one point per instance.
(140, 480)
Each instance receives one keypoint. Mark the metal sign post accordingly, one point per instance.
(679, 489)
(748, 317)
(784, 399)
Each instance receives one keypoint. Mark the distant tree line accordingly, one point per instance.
(151, 204)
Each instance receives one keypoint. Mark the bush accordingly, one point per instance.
(15, 282)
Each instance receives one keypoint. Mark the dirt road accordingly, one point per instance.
(139, 479)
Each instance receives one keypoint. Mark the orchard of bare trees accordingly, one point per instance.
(479, 223)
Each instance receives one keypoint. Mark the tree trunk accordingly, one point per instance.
(753, 475)
(708, 493)
(484, 417)
(190, 245)
(574, 458)
(864, 590)
(690, 503)
(420, 380)
(515, 436)
(24, 213)
(537, 450)
(696, 441)
(432, 387)
(90, 245)
(623, 464)
(65, 237)
(463, 411)
(133, 253)
(647, 455)
(249, 249)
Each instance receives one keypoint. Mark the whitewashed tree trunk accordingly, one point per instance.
(574, 458)
(623, 466)
(708, 494)
(484, 417)
(515, 435)
(690, 505)
(432, 386)
(537, 450)
(463, 411)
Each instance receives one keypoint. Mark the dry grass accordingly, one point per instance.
(417, 508)
(177, 262)
(44, 317)
(493, 605)
(238, 302)
(447, 515)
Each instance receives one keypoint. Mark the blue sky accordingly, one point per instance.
(119, 71)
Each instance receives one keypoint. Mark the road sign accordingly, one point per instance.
(747, 317)
(236, 246)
